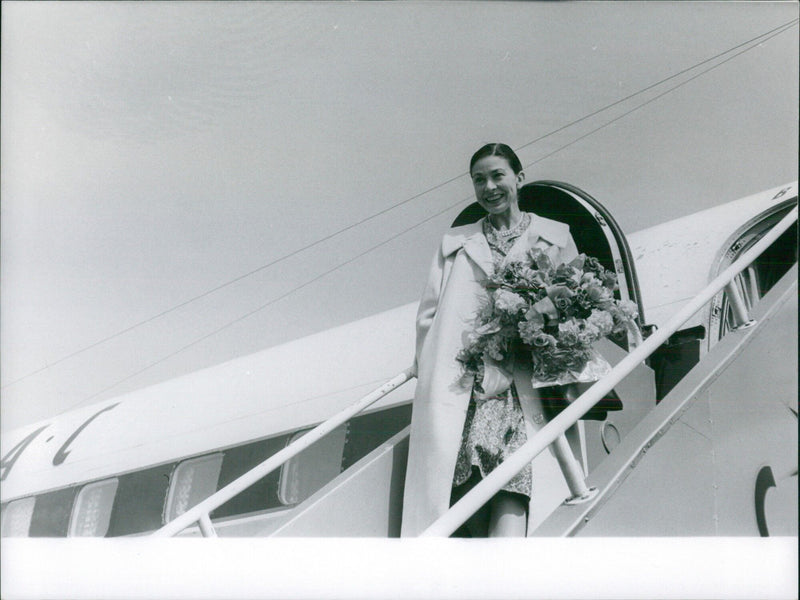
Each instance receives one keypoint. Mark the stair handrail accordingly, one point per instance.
(200, 513)
(502, 474)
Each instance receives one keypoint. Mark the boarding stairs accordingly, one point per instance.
(678, 467)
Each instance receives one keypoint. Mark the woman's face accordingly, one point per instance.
(495, 184)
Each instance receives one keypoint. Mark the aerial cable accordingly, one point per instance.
(265, 305)
(782, 28)
(767, 35)
(774, 32)
(661, 95)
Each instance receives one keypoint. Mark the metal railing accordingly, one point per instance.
(552, 433)
(200, 513)
(492, 483)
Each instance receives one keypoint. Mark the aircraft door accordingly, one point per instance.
(596, 233)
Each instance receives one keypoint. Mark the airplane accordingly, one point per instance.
(706, 442)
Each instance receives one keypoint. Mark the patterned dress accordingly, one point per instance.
(495, 427)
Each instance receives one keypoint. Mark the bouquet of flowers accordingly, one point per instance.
(553, 314)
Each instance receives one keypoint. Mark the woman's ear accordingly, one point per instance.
(520, 179)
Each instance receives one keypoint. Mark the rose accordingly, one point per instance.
(592, 264)
(543, 340)
(489, 328)
(561, 296)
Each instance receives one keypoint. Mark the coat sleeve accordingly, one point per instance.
(429, 302)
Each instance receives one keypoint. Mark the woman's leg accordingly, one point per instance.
(509, 515)
(478, 524)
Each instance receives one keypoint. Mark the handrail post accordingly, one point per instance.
(570, 467)
(572, 471)
(741, 316)
(206, 527)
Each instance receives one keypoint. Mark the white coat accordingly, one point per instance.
(447, 310)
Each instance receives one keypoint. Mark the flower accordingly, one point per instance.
(543, 340)
(597, 294)
(602, 320)
(509, 302)
(628, 309)
(569, 332)
(551, 314)
(561, 296)
(529, 328)
(567, 274)
(496, 349)
(589, 334)
(592, 264)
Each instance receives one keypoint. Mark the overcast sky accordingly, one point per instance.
(154, 151)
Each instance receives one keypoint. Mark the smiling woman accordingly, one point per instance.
(462, 429)
(497, 176)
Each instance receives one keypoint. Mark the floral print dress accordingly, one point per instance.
(495, 427)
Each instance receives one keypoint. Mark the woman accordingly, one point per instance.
(457, 437)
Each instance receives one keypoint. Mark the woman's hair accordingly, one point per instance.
(497, 149)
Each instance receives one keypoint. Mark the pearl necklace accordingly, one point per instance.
(501, 239)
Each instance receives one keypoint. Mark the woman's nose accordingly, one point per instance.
(490, 185)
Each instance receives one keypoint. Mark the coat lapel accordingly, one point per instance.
(477, 248)
(471, 239)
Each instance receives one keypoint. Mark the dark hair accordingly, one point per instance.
(497, 149)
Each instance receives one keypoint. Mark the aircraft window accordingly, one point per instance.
(139, 504)
(755, 281)
(192, 482)
(315, 466)
(263, 494)
(16, 517)
(92, 512)
(367, 432)
(51, 513)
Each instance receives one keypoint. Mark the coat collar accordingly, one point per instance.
(471, 238)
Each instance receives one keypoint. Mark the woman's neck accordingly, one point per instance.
(506, 220)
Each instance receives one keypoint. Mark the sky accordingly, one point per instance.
(153, 152)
